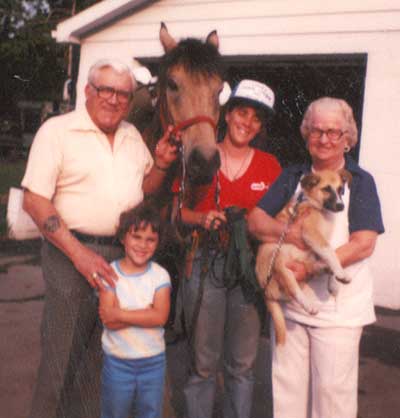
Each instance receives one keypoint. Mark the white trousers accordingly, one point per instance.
(315, 373)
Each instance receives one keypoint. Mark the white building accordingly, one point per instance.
(365, 33)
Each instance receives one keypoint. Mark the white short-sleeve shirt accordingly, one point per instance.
(136, 291)
(72, 163)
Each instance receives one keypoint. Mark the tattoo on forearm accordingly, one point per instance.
(51, 224)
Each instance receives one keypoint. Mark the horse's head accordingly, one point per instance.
(190, 82)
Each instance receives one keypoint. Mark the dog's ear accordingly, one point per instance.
(309, 181)
(345, 176)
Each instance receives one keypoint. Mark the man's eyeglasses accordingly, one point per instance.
(105, 92)
(333, 135)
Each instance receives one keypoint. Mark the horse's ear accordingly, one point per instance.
(212, 38)
(167, 41)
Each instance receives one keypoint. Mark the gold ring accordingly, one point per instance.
(95, 275)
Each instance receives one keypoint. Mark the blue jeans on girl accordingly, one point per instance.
(132, 387)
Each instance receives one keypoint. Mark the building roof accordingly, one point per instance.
(96, 17)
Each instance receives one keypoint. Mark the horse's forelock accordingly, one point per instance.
(195, 56)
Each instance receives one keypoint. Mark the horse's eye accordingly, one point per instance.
(172, 85)
(327, 189)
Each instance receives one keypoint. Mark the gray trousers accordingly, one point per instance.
(68, 381)
(228, 327)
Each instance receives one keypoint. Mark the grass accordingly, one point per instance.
(11, 174)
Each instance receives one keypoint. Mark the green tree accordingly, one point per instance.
(32, 65)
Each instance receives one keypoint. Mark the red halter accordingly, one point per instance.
(181, 126)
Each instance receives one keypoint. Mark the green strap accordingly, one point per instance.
(240, 260)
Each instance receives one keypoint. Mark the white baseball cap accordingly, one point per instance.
(256, 92)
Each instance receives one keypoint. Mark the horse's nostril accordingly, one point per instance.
(200, 169)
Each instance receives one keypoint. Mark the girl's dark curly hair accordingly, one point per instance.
(139, 217)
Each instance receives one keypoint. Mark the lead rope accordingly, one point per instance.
(204, 270)
(217, 192)
(181, 192)
(293, 214)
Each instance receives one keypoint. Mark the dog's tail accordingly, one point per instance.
(278, 319)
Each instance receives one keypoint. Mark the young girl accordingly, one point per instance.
(133, 315)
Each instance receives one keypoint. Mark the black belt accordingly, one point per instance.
(95, 239)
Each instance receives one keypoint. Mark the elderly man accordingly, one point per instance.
(84, 169)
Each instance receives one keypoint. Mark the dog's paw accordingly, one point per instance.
(308, 305)
(333, 286)
(343, 278)
(313, 308)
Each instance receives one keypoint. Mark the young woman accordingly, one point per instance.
(227, 322)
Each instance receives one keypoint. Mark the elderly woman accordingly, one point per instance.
(315, 373)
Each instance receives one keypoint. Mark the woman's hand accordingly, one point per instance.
(294, 234)
(298, 269)
(212, 219)
(268, 229)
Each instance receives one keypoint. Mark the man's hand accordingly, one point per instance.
(94, 268)
(166, 151)
(91, 265)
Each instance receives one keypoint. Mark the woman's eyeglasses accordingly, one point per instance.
(333, 135)
(105, 92)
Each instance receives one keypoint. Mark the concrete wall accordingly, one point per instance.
(291, 27)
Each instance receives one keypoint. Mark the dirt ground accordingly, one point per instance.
(21, 304)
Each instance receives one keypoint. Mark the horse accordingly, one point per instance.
(187, 93)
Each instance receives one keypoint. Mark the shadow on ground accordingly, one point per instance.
(382, 344)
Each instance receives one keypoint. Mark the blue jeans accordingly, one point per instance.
(227, 327)
(132, 387)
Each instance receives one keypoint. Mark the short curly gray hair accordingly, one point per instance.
(117, 66)
(349, 124)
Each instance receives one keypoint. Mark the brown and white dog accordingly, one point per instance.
(321, 195)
